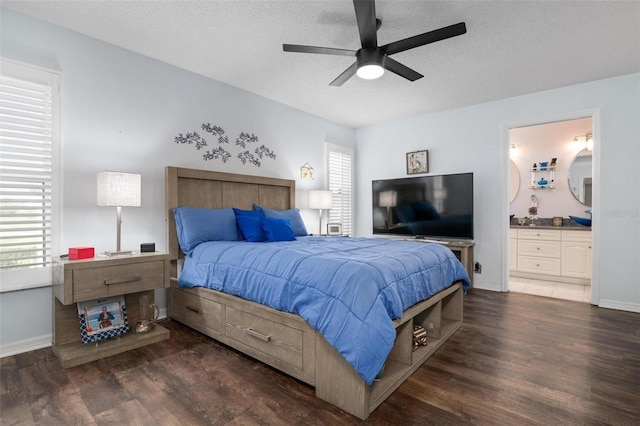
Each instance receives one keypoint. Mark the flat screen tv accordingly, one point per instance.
(430, 207)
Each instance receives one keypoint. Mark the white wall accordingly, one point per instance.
(121, 111)
(474, 139)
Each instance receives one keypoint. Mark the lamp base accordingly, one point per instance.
(118, 253)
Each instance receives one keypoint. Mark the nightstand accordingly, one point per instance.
(87, 279)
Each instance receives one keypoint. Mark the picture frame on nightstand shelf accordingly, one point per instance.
(334, 229)
(102, 319)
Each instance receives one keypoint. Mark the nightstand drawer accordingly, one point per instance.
(93, 283)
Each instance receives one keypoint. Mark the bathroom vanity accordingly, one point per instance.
(548, 253)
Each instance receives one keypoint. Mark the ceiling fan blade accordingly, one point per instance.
(402, 70)
(320, 50)
(367, 26)
(346, 75)
(426, 38)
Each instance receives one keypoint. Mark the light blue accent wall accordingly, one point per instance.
(121, 111)
(472, 139)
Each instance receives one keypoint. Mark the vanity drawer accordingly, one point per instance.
(540, 248)
(578, 236)
(540, 265)
(197, 312)
(272, 338)
(103, 281)
(539, 234)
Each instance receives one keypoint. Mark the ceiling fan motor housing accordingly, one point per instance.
(370, 62)
(370, 56)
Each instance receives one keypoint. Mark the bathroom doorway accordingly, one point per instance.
(550, 180)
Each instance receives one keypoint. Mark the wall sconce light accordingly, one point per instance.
(588, 139)
(306, 172)
(320, 199)
(118, 190)
(513, 150)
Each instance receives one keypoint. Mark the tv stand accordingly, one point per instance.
(463, 250)
(428, 240)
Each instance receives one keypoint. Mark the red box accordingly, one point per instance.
(76, 253)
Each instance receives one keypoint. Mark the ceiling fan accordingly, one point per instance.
(371, 59)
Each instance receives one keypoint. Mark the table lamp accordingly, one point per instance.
(116, 189)
(320, 199)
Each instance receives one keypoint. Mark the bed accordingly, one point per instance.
(355, 365)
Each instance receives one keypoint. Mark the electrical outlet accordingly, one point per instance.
(477, 268)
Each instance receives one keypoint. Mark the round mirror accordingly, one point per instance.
(581, 176)
(514, 180)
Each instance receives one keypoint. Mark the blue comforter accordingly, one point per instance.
(349, 289)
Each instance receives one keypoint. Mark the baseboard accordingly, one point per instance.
(26, 345)
(487, 286)
(41, 342)
(621, 306)
(555, 278)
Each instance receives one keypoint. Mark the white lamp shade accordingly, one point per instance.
(118, 189)
(320, 199)
(388, 199)
(440, 193)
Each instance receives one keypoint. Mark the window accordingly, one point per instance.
(29, 139)
(340, 175)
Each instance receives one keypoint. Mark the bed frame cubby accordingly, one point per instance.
(441, 317)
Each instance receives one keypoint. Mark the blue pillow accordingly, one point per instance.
(277, 229)
(251, 228)
(255, 213)
(195, 225)
(292, 215)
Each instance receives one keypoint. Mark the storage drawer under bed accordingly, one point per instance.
(202, 314)
(280, 339)
(269, 337)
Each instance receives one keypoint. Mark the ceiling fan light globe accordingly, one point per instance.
(370, 72)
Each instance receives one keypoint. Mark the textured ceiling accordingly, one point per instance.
(511, 47)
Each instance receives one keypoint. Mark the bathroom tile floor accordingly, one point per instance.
(553, 289)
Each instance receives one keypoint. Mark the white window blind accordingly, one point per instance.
(28, 132)
(340, 175)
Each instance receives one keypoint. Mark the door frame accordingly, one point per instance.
(595, 115)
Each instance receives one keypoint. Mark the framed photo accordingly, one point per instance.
(417, 162)
(334, 229)
(102, 319)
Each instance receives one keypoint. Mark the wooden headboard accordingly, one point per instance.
(217, 190)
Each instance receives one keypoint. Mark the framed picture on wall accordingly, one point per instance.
(417, 162)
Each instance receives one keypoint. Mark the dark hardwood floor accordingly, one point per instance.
(517, 360)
